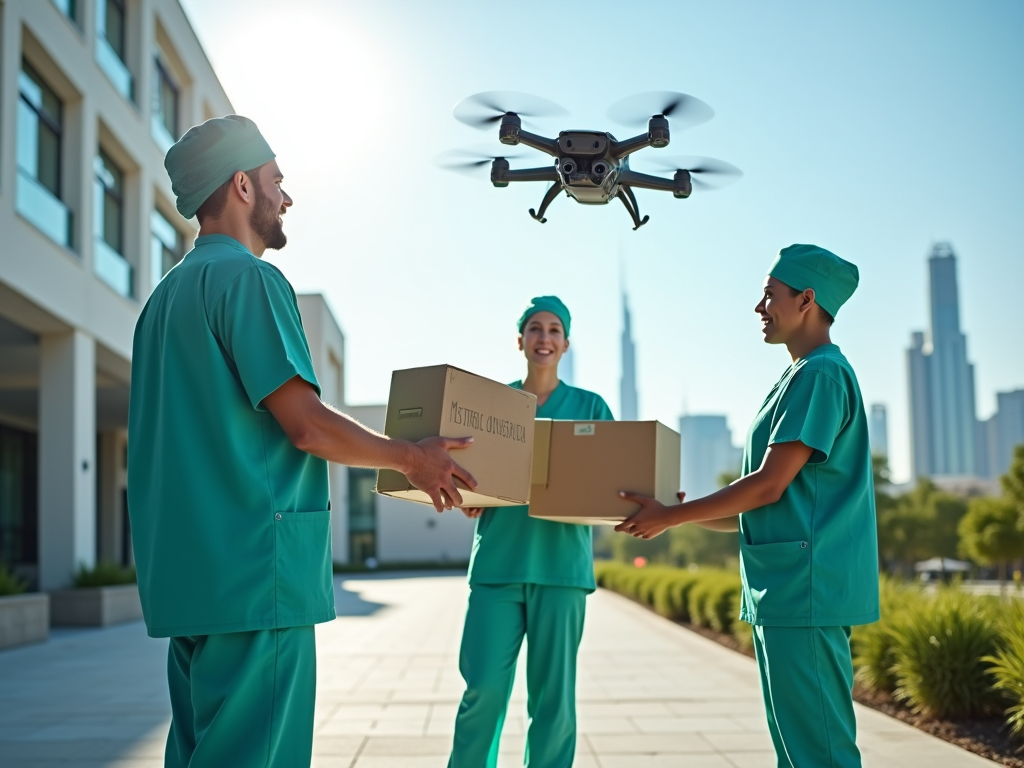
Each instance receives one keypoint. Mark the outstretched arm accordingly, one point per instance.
(781, 464)
(322, 431)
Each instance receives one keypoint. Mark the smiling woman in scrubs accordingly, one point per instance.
(528, 578)
(805, 511)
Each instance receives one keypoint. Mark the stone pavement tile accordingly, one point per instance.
(395, 746)
(388, 727)
(733, 707)
(741, 742)
(404, 761)
(663, 761)
(648, 744)
(606, 725)
(687, 724)
(622, 709)
(758, 759)
(337, 746)
(346, 728)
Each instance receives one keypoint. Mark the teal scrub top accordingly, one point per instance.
(230, 522)
(510, 547)
(811, 558)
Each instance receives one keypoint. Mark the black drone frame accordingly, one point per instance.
(593, 170)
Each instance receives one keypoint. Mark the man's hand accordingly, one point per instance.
(434, 472)
(652, 519)
(472, 512)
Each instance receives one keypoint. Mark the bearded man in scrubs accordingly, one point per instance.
(805, 511)
(227, 467)
(528, 578)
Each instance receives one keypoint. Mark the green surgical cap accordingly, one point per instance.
(809, 266)
(551, 304)
(210, 154)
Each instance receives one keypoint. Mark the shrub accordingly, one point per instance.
(874, 645)
(742, 632)
(671, 596)
(718, 608)
(703, 594)
(649, 580)
(9, 583)
(104, 574)
(938, 657)
(1007, 668)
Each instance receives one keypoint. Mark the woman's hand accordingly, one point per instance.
(652, 520)
(472, 511)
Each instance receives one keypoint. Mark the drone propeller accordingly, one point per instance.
(685, 111)
(482, 110)
(705, 172)
(471, 162)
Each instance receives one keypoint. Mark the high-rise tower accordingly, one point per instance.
(628, 405)
(942, 414)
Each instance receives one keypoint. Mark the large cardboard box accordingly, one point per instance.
(444, 401)
(579, 467)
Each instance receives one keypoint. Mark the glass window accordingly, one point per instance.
(166, 247)
(18, 500)
(110, 263)
(40, 126)
(111, 47)
(362, 515)
(69, 8)
(165, 107)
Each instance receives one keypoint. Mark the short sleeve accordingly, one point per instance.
(257, 323)
(601, 411)
(813, 410)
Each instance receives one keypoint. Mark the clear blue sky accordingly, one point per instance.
(871, 128)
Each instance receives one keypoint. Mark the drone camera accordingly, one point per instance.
(657, 131)
(582, 142)
(508, 131)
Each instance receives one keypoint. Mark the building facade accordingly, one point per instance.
(629, 405)
(941, 381)
(706, 453)
(1000, 434)
(92, 92)
(878, 430)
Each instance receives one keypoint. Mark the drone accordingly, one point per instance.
(592, 167)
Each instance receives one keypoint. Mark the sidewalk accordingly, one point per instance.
(650, 693)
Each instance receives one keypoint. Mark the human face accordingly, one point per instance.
(782, 314)
(271, 202)
(543, 340)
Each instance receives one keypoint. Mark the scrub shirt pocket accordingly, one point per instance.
(777, 581)
(304, 578)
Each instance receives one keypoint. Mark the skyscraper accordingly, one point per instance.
(878, 430)
(567, 368)
(999, 434)
(706, 452)
(628, 402)
(941, 380)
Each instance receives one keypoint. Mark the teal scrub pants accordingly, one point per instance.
(242, 698)
(499, 616)
(807, 682)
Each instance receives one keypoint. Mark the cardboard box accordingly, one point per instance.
(444, 401)
(579, 467)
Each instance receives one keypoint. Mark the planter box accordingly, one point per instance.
(95, 606)
(24, 619)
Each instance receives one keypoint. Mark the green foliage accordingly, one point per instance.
(874, 645)
(9, 583)
(627, 548)
(671, 600)
(1007, 668)
(939, 652)
(918, 525)
(741, 631)
(989, 533)
(104, 574)
(710, 600)
(693, 545)
(1013, 484)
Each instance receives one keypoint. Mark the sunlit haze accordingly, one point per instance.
(873, 129)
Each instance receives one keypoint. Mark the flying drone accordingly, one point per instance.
(591, 166)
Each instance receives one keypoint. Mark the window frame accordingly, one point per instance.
(57, 127)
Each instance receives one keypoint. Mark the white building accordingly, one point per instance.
(706, 453)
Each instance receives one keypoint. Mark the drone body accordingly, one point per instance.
(592, 167)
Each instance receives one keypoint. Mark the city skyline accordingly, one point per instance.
(629, 397)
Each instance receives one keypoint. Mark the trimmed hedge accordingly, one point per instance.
(104, 574)
(945, 653)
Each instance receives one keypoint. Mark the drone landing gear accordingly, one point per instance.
(629, 200)
(549, 196)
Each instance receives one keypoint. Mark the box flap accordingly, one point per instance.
(541, 452)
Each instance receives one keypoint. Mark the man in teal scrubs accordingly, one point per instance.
(227, 467)
(528, 578)
(805, 511)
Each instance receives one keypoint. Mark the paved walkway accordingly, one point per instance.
(651, 694)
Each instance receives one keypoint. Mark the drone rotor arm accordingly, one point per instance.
(629, 146)
(646, 181)
(540, 143)
(548, 173)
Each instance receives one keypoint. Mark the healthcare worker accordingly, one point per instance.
(528, 578)
(227, 478)
(805, 511)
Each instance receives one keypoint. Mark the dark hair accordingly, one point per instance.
(824, 316)
(214, 205)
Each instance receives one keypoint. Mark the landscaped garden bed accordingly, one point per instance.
(104, 595)
(948, 663)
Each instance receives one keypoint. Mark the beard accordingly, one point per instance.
(264, 221)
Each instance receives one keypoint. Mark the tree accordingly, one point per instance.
(990, 535)
(1013, 484)
(917, 525)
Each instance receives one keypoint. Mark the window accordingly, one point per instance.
(69, 8)
(362, 515)
(19, 542)
(110, 45)
(110, 263)
(165, 107)
(40, 126)
(165, 246)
